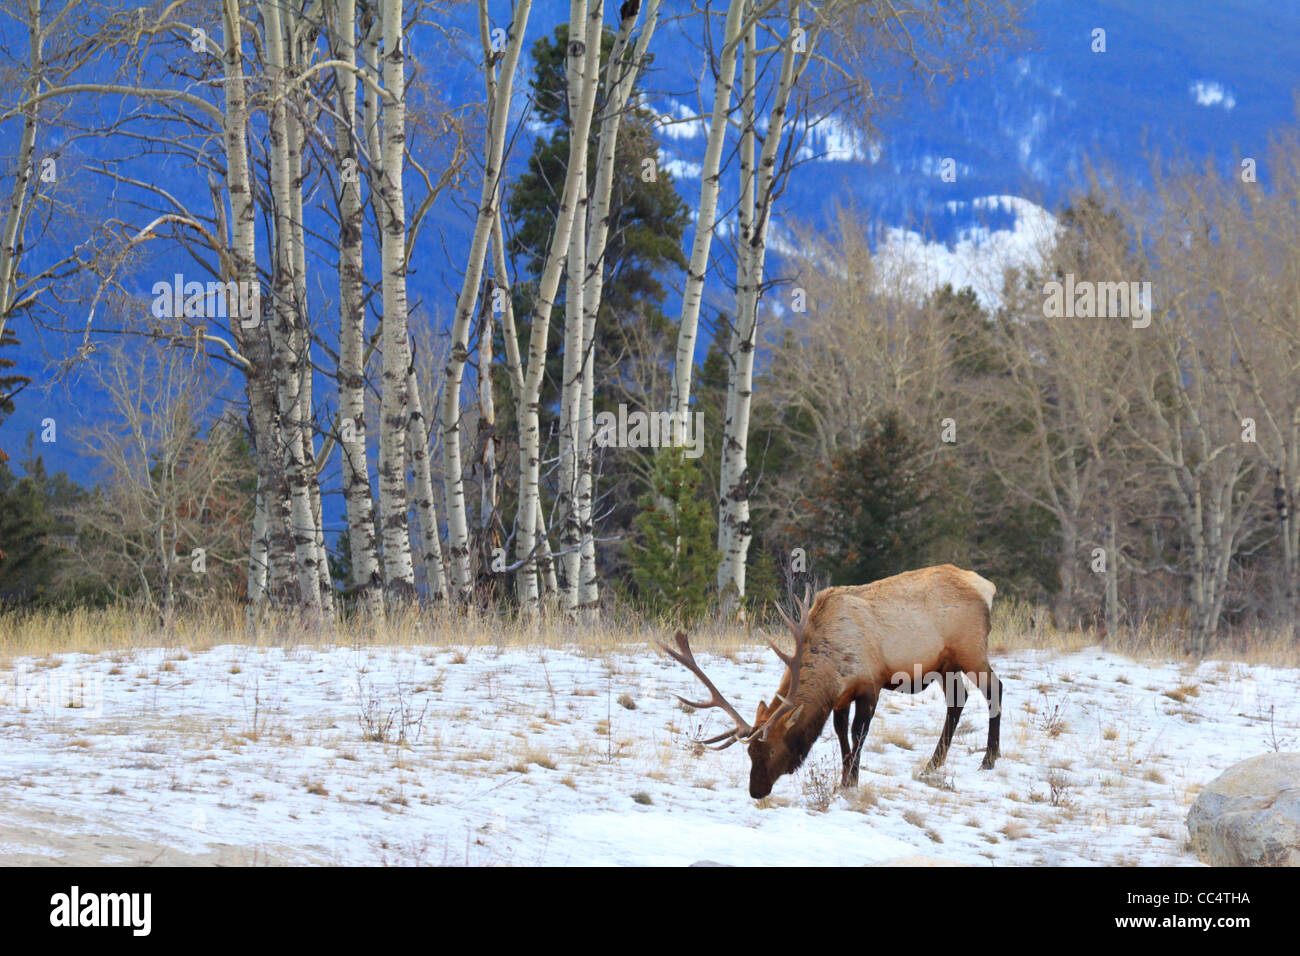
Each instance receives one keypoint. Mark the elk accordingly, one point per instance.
(901, 633)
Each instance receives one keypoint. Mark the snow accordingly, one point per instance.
(978, 258)
(830, 139)
(1210, 93)
(682, 169)
(679, 121)
(551, 756)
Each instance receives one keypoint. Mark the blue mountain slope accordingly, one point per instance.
(1194, 76)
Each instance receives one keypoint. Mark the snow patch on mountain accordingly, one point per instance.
(681, 168)
(678, 121)
(833, 140)
(978, 257)
(1209, 93)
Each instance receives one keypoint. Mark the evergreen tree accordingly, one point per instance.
(974, 350)
(879, 508)
(10, 384)
(673, 553)
(647, 222)
(34, 535)
(648, 217)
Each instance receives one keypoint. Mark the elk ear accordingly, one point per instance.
(762, 713)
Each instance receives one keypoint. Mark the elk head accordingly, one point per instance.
(776, 739)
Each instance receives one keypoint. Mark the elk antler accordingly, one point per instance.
(684, 657)
(793, 662)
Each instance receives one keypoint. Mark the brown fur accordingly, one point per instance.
(869, 638)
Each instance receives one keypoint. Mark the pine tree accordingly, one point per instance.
(32, 529)
(647, 222)
(10, 383)
(879, 508)
(673, 553)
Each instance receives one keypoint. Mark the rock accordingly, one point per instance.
(1250, 815)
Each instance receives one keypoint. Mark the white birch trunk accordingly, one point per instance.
(758, 194)
(298, 33)
(620, 79)
(368, 583)
(399, 572)
(285, 332)
(588, 597)
(732, 490)
(16, 212)
(571, 406)
(254, 343)
(489, 502)
(499, 92)
(582, 67)
(417, 447)
(545, 564)
(705, 221)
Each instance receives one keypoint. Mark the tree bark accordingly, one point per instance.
(582, 67)
(706, 219)
(252, 342)
(620, 79)
(545, 564)
(286, 334)
(16, 212)
(498, 95)
(571, 387)
(758, 193)
(417, 445)
(366, 579)
(399, 572)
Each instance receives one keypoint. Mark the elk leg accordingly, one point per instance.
(955, 694)
(865, 707)
(992, 688)
(841, 721)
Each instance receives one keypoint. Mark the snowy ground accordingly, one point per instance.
(542, 756)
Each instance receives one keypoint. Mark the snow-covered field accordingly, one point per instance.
(531, 756)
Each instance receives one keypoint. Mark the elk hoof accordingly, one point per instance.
(989, 760)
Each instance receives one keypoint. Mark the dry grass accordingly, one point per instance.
(1016, 626)
(1015, 830)
(1021, 626)
(863, 797)
(821, 784)
(43, 632)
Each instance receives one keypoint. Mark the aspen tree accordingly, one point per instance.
(367, 581)
(399, 572)
(582, 69)
(499, 92)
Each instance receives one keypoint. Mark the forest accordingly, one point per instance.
(355, 339)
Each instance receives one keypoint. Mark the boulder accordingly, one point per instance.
(1250, 815)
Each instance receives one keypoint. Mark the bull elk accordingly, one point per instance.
(901, 633)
